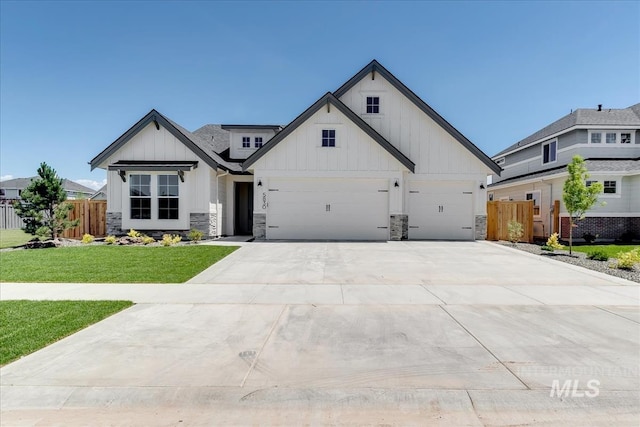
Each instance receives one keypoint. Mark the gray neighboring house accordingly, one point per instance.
(536, 168)
(100, 194)
(12, 188)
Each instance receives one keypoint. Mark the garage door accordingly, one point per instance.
(441, 210)
(328, 209)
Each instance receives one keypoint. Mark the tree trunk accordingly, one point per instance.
(570, 233)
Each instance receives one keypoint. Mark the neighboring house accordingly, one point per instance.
(100, 194)
(536, 168)
(370, 161)
(12, 189)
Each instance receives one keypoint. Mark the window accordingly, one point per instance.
(373, 104)
(589, 182)
(258, 142)
(535, 196)
(549, 152)
(2, 192)
(328, 137)
(609, 187)
(625, 138)
(612, 138)
(500, 161)
(246, 142)
(168, 193)
(140, 194)
(596, 138)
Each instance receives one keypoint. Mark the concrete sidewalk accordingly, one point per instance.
(612, 295)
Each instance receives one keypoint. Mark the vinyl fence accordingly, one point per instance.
(8, 217)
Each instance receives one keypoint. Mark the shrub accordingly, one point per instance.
(195, 235)
(110, 240)
(627, 260)
(147, 240)
(627, 237)
(168, 239)
(546, 248)
(87, 238)
(553, 244)
(598, 255)
(589, 238)
(515, 230)
(133, 233)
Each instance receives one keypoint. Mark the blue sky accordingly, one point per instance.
(76, 75)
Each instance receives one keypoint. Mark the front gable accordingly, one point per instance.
(357, 147)
(411, 125)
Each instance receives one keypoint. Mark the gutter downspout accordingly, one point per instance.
(550, 206)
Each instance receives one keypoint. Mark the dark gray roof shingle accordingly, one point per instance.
(593, 165)
(215, 136)
(607, 117)
(22, 183)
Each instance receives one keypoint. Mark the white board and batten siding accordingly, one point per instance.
(314, 192)
(438, 155)
(153, 144)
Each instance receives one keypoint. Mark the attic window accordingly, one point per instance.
(373, 104)
(258, 142)
(246, 142)
(328, 137)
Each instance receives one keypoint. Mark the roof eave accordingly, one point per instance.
(456, 134)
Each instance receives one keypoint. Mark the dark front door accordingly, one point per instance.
(244, 208)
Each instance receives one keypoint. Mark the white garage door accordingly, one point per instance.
(441, 210)
(328, 209)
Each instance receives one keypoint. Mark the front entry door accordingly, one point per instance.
(243, 209)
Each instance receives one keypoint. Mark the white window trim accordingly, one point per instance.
(182, 223)
(380, 112)
(539, 201)
(603, 137)
(549, 142)
(603, 195)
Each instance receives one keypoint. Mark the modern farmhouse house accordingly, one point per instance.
(536, 168)
(370, 161)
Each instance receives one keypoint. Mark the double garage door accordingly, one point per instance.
(441, 210)
(358, 209)
(328, 209)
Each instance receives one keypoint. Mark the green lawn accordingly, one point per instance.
(612, 251)
(27, 326)
(109, 264)
(10, 238)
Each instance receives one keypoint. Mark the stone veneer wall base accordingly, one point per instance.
(260, 226)
(481, 227)
(399, 227)
(114, 223)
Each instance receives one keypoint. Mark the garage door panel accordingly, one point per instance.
(336, 209)
(440, 210)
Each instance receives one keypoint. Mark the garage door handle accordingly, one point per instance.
(413, 226)
(413, 191)
(274, 226)
(466, 228)
(382, 227)
(383, 191)
(467, 192)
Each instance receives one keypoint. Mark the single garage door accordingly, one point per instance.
(441, 210)
(328, 209)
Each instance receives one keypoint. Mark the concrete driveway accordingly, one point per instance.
(342, 349)
(393, 263)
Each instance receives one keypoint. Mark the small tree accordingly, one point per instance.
(42, 205)
(515, 231)
(577, 196)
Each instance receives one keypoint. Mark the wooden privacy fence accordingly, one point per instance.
(8, 217)
(93, 218)
(500, 213)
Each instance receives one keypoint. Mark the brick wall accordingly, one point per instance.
(603, 227)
